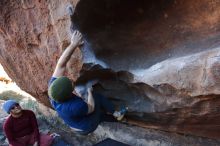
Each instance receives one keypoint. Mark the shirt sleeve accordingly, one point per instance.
(34, 125)
(9, 134)
(51, 81)
(77, 108)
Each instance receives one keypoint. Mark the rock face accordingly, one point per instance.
(159, 58)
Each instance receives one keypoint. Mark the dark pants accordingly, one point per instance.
(102, 113)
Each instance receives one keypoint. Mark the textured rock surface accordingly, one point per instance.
(197, 74)
(33, 34)
(125, 38)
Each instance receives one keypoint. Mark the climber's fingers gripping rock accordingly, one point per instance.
(76, 38)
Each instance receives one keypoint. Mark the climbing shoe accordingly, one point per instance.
(120, 114)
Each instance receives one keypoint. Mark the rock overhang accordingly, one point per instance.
(125, 39)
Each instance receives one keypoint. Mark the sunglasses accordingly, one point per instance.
(14, 106)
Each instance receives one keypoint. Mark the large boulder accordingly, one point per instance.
(160, 58)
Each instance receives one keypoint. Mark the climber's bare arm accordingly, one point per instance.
(76, 40)
(90, 102)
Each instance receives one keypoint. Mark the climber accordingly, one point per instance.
(21, 128)
(82, 116)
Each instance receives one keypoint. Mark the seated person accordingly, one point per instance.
(21, 128)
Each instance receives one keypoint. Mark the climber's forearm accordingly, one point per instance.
(65, 57)
(91, 102)
(62, 62)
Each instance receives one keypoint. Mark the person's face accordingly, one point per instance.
(16, 109)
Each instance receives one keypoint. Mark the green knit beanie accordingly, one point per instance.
(60, 89)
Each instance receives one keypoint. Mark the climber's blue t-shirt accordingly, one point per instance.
(74, 112)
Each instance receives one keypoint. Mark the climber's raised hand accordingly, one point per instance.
(76, 39)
